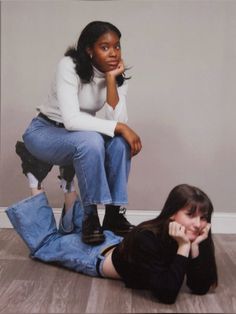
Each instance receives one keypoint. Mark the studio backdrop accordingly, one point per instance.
(181, 101)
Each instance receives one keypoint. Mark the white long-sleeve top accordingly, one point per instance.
(75, 104)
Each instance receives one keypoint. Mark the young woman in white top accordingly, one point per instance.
(67, 132)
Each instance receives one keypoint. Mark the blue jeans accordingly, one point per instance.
(102, 164)
(34, 221)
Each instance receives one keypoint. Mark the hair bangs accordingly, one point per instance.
(203, 206)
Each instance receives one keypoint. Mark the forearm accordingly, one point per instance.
(202, 272)
(120, 127)
(130, 136)
(112, 93)
(82, 121)
(194, 250)
(167, 284)
(199, 277)
(184, 249)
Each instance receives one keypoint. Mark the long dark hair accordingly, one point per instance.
(87, 38)
(180, 196)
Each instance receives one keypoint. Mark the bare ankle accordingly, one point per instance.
(35, 191)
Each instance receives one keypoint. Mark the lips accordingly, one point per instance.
(112, 63)
(193, 233)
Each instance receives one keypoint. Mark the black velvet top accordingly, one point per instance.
(156, 266)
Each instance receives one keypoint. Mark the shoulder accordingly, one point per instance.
(124, 87)
(66, 63)
(125, 84)
(66, 71)
(148, 247)
(146, 240)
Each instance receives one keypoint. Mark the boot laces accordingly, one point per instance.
(122, 212)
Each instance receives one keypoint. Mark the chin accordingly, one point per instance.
(111, 67)
(192, 236)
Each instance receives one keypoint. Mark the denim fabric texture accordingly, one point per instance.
(102, 163)
(34, 221)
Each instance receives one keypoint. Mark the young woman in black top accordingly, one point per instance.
(155, 255)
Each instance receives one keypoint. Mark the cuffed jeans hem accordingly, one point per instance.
(12, 210)
(41, 197)
(118, 203)
(105, 202)
(34, 228)
(99, 265)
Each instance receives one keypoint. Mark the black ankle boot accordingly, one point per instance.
(115, 221)
(91, 230)
(31, 164)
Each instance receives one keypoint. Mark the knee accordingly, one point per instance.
(91, 143)
(120, 144)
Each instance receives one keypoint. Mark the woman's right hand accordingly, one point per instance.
(130, 136)
(177, 232)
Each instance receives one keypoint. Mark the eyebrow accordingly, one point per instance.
(107, 43)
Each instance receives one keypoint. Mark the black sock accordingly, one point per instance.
(112, 210)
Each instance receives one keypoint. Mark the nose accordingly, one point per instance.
(113, 52)
(197, 222)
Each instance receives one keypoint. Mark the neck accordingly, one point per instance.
(98, 73)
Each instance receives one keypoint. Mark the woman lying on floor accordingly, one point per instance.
(155, 255)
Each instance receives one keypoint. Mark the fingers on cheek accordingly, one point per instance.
(177, 228)
(171, 228)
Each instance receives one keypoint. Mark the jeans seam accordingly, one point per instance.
(89, 201)
(84, 178)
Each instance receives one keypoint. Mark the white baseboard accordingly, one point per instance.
(222, 222)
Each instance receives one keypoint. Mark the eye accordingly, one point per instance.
(105, 48)
(189, 213)
(118, 47)
(204, 218)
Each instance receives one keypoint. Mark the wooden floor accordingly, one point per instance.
(27, 286)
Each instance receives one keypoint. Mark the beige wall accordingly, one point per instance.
(181, 97)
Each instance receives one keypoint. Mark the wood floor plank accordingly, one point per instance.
(108, 295)
(12, 269)
(117, 297)
(144, 302)
(198, 304)
(11, 245)
(24, 296)
(69, 296)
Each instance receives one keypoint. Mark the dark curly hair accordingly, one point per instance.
(87, 38)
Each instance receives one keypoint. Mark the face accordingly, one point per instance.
(194, 223)
(106, 52)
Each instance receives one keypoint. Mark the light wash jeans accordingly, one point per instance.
(34, 221)
(102, 163)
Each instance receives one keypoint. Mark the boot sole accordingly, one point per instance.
(119, 232)
(93, 239)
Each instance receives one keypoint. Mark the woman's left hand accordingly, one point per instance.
(195, 244)
(203, 235)
(118, 70)
(112, 93)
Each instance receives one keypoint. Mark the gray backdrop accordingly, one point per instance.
(181, 96)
